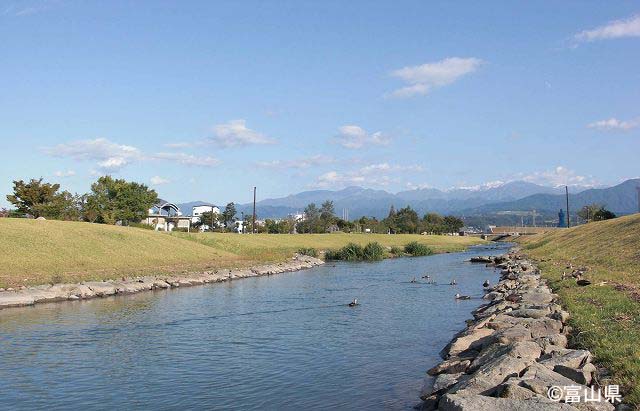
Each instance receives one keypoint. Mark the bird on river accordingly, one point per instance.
(462, 297)
(485, 284)
(428, 277)
(413, 280)
(453, 282)
(353, 303)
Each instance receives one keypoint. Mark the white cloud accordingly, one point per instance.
(381, 174)
(299, 163)
(615, 29)
(614, 124)
(235, 133)
(108, 155)
(64, 174)
(560, 176)
(423, 78)
(187, 159)
(112, 157)
(157, 180)
(352, 136)
(387, 168)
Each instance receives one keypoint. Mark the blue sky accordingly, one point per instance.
(204, 100)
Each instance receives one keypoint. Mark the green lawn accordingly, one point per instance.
(606, 314)
(37, 252)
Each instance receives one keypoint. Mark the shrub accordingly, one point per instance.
(373, 252)
(416, 249)
(396, 251)
(311, 252)
(354, 252)
(351, 252)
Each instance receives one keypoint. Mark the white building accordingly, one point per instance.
(197, 212)
(166, 216)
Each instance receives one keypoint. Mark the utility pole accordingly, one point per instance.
(253, 225)
(638, 188)
(566, 190)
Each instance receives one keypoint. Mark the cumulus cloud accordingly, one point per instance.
(352, 136)
(615, 29)
(235, 133)
(111, 157)
(559, 176)
(424, 78)
(614, 124)
(157, 180)
(299, 163)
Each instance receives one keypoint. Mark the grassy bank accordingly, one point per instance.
(37, 252)
(606, 314)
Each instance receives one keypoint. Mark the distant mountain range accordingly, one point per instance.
(515, 196)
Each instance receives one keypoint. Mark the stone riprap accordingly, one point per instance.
(513, 351)
(92, 289)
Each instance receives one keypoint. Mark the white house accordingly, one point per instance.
(198, 210)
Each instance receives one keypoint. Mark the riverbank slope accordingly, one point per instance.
(605, 315)
(513, 355)
(36, 252)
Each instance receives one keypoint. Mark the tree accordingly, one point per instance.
(210, 219)
(453, 224)
(433, 223)
(40, 199)
(113, 200)
(603, 214)
(588, 212)
(327, 211)
(229, 213)
(407, 221)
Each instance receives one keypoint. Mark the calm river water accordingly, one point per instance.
(282, 342)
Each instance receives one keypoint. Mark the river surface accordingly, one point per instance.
(285, 342)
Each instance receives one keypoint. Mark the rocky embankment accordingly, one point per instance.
(93, 289)
(513, 352)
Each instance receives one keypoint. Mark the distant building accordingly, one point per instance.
(166, 216)
(562, 221)
(197, 211)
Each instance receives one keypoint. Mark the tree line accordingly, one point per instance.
(109, 201)
(404, 221)
(112, 201)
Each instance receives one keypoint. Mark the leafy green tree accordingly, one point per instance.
(603, 214)
(405, 221)
(40, 199)
(210, 219)
(327, 211)
(588, 212)
(229, 214)
(433, 223)
(113, 200)
(452, 224)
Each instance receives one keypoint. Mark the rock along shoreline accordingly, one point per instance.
(94, 289)
(513, 351)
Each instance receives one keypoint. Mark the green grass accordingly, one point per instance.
(606, 314)
(38, 252)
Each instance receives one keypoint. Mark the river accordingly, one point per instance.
(280, 342)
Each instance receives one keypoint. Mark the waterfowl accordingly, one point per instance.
(453, 282)
(485, 284)
(426, 276)
(353, 303)
(462, 297)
